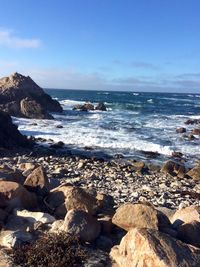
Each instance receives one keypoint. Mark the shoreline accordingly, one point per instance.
(125, 180)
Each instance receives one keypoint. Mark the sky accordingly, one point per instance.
(134, 45)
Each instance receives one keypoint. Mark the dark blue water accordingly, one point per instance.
(134, 122)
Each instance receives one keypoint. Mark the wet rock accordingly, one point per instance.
(82, 224)
(101, 106)
(59, 126)
(192, 121)
(181, 130)
(176, 154)
(196, 131)
(57, 145)
(148, 247)
(85, 107)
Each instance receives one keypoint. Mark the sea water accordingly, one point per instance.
(134, 122)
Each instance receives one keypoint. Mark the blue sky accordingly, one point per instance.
(147, 45)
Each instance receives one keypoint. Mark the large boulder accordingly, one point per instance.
(37, 181)
(174, 169)
(10, 137)
(194, 173)
(82, 224)
(67, 197)
(186, 215)
(32, 109)
(150, 248)
(129, 216)
(20, 96)
(14, 195)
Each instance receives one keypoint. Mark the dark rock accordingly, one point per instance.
(59, 126)
(85, 107)
(10, 137)
(57, 145)
(191, 137)
(181, 130)
(189, 233)
(101, 106)
(196, 131)
(150, 154)
(177, 154)
(18, 93)
(37, 182)
(9, 174)
(194, 121)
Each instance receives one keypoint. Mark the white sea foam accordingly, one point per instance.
(122, 129)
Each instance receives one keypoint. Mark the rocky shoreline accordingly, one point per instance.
(59, 208)
(125, 180)
(46, 173)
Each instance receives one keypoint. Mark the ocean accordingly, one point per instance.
(134, 123)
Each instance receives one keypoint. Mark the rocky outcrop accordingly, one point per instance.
(85, 107)
(20, 96)
(90, 107)
(10, 137)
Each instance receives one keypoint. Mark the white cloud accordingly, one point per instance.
(67, 78)
(8, 39)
